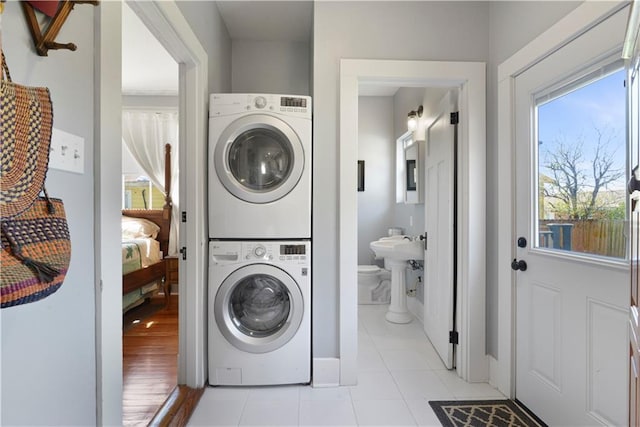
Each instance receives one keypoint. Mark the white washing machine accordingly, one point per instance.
(259, 166)
(259, 312)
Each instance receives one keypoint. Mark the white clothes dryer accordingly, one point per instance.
(259, 326)
(259, 166)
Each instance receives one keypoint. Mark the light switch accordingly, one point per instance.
(67, 151)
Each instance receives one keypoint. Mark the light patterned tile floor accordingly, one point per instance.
(398, 373)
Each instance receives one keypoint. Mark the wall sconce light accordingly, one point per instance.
(412, 118)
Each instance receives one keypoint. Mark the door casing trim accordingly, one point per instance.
(473, 362)
(166, 22)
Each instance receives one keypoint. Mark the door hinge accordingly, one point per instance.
(453, 337)
(183, 251)
(455, 118)
(184, 216)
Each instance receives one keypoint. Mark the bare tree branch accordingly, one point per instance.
(571, 178)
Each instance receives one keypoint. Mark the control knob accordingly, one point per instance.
(259, 251)
(260, 102)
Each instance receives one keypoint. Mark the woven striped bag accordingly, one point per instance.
(36, 250)
(26, 117)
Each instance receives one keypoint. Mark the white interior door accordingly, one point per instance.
(571, 332)
(439, 224)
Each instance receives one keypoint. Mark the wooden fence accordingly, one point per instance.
(600, 237)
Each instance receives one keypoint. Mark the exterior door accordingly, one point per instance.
(572, 267)
(439, 223)
(633, 84)
(259, 158)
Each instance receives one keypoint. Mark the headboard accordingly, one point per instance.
(162, 217)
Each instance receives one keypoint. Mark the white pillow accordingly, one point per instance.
(135, 228)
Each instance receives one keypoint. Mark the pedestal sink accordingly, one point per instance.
(396, 253)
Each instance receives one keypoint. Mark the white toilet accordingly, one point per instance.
(374, 285)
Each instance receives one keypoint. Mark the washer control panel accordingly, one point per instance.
(226, 252)
(235, 103)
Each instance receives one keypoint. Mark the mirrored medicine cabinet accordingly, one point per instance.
(409, 173)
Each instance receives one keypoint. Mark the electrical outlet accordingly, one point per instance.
(66, 152)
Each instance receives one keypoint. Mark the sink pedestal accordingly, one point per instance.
(398, 312)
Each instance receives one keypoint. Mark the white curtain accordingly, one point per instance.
(145, 134)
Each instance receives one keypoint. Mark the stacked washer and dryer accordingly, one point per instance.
(259, 326)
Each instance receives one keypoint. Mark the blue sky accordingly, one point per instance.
(601, 104)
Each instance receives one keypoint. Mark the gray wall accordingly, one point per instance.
(512, 26)
(372, 30)
(376, 146)
(48, 347)
(270, 67)
(208, 26)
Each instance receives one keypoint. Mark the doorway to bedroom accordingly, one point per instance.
(149, 222)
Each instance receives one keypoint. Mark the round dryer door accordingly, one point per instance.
(259, 158)
(258, 308)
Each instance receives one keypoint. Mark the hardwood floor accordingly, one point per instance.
(150, 359)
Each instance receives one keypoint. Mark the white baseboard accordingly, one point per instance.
(326, 372)
(498, 377)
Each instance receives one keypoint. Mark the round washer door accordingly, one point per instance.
(258, 308)
(259, 158)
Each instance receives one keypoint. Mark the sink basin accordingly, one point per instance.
(398, 249)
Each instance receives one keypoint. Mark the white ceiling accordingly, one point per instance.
(376, 89)
(148, 69)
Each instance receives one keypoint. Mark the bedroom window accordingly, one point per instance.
(140, 193)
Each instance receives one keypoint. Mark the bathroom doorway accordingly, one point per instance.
(396, 166)
(470, 79)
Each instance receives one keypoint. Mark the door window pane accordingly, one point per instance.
(582, 149)
(261, 159)
(259, 305)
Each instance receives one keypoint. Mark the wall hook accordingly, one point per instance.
(46, 41)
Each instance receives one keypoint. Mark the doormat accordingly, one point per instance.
(481, 413)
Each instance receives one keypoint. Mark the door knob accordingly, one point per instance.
(519, 265)
(634, 183)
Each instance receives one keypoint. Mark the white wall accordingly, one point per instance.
(512, 25)
(371, 30)
(270, 67)
(145, 101)
(48, 347)
(376, 146)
